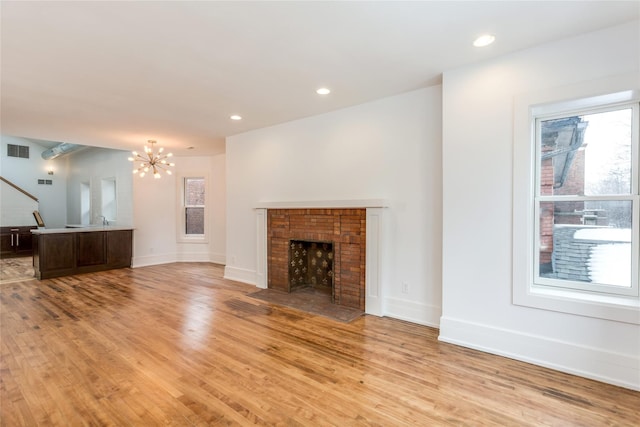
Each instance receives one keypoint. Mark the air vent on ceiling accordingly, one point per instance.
(21, 151)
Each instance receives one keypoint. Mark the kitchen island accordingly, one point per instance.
(65, 251)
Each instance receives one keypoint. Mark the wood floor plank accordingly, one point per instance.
(179, 345)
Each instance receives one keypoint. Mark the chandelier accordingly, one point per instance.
(151, 161)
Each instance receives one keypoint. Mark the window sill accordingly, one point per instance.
(193, 239)
(609, 307)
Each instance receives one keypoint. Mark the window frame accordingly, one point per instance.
(632, 197)
(182, 236)
(584, 96)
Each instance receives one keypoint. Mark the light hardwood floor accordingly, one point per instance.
(178, 345)
(16, 269)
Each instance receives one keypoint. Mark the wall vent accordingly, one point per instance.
(21, 151)
(45, 182)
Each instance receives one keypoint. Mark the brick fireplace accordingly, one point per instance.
(337, 238)
(357, 229)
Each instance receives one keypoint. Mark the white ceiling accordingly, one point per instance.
(115, 74)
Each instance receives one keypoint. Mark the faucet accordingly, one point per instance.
(104, 220)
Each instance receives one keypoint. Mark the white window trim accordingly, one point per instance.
(182, 237)
(625, 88)
(631, 197)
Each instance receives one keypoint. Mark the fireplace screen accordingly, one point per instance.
(310, 264)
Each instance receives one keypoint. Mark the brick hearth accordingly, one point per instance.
(345, 228)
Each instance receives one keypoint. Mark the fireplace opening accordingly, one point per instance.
(311, 265)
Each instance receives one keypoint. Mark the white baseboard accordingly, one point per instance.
(218, 258)
(193, 257)
(144, 261)
(240, 275)
(422, 314)
(598, 364)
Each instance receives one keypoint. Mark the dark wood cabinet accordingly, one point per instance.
(5, 244)
(119, 249)
(91, 249)
(15, 241)
(55, 252)
(66, 253)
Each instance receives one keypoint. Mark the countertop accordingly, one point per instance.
(85, 229)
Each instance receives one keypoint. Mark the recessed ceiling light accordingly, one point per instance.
(484, 40)
(235, 117)
(323, 91)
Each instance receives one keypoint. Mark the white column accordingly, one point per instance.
(374, 298)
(261, 248)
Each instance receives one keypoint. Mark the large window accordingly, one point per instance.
(576, 202)
(586, 196)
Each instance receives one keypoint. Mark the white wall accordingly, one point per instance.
(478, 115)
(92, 165)
(387, 149)
(25, 174)
(156, 214)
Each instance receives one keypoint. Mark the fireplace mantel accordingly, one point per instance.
(325, 204)
(376, 251)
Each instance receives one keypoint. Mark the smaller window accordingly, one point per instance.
(194, 206)
(193, 216)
